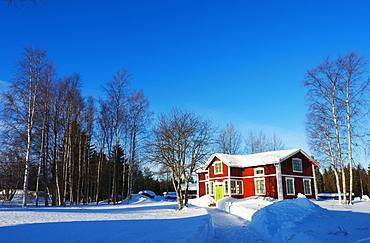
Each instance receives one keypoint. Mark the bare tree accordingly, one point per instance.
(229, 140)
(21, 3)
(10, 172)
(276, 143)
(260, 142)
(117, 94)
(138, 119)
(181, 140)
(103, 134)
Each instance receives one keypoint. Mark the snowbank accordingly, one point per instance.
(138, 198)
(277, 221)
(244, 208)
(203, 201)
(148, 193)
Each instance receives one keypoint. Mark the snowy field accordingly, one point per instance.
(254, 219)
(143, 220)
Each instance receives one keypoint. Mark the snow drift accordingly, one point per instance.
(245, 207)
(278, 220)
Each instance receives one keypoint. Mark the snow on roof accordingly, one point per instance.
(251, 160)
(202, 168)
(191, 186)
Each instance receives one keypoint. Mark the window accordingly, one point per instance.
(211, 189)
(236, 187)
(207, 176)
(307, 186)
(297, 165)
(226, 187)
(218, 168)
(290, 186)
(259, 185)
(259, 171)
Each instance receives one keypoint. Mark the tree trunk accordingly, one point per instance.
(349, 144)
(79, 178)
(339, 150)
(186, 192)
(98, 177)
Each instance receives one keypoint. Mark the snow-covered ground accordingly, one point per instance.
(143, 220)
(254, 219)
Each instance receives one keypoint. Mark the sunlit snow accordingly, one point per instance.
(254, 219)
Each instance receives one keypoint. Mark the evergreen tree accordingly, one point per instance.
(329, 180)
(319, 181)
(368, 180)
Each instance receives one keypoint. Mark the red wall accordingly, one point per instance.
(270, 181)
(211, 170)
(201, 185)
(287, 169)
(287, 166)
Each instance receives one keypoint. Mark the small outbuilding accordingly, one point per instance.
(278, 174)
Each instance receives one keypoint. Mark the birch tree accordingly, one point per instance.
(43, 131)
(337, 91)
(21, 101)
(354, 93)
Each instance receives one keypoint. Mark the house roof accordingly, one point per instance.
(259, 159)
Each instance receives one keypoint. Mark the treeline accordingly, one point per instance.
(75, 149)
(326, 182)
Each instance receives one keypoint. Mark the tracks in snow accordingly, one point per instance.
(230, 228)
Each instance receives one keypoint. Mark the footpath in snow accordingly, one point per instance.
(230, 228)
(300, 220)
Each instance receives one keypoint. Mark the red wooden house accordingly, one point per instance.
(277, 174)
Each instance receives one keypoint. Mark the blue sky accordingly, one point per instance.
(231, 61)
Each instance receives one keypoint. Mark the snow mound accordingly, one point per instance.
(148, 193)
(138, 198)
(245, 207)
(203, 201)
(277, 220)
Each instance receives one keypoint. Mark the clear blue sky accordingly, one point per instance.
(238, 61)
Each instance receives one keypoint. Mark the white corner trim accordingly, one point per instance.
(279, 181)
(314, 181)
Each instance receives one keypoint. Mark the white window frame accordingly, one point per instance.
(287, 186)
(226, 187)
(264, 186)
(258, 169)
(214, 167)
(309, 188)
(207, 188)
(300, 161)
(211, 188)
(238, 187)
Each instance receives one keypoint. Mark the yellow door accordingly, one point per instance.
(219, 192)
